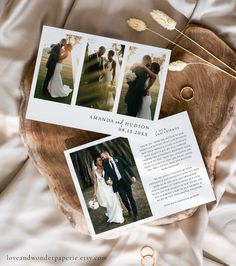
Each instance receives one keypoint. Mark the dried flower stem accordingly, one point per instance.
(199, 63)
(204, 49)
(170, 24)
(205, 64)
(186, 50)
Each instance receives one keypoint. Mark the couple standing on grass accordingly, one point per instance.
(53, 85)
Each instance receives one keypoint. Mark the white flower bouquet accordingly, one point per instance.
(93, 204)
(130, 76)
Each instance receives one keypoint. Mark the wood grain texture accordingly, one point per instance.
(210, 111)
(211, 108)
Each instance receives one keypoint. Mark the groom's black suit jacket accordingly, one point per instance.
(54, 56)
(123, 168)
(136, 91)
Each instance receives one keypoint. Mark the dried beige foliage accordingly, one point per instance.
(136, 24)
(163, 19)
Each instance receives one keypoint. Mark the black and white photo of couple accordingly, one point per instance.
(57, 69)
(100, 74)
(141, 85)
(108, 175)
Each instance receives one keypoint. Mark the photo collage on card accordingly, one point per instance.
(99, 73)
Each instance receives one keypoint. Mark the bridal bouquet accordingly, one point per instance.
(93, 204)
(130, 76)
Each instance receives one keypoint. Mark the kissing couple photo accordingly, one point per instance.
(141, 85)
(111, 186)
(100, 75)
(57, 69)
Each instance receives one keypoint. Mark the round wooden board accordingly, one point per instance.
(210, 111)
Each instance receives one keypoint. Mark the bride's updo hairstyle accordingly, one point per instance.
(155, 68)
(95, 160)
(111, 52)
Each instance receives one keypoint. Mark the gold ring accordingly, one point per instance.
(147, 251)
(187, 93)
(148, 260)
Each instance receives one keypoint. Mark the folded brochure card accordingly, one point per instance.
(98, 84)
(121, 182)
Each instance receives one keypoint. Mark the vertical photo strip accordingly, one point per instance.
(61, 54)
(141, 83)
(100, 74)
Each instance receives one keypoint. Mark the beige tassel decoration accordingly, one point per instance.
(136, 24)
(180, 65)
(164, 20)
(177, 65)
(170, 24)
(139, 25)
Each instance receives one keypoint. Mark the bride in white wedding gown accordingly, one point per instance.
(56, 87)
(105, 195)
(145, 110)
(109, 78)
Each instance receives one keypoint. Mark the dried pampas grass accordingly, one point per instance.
(181, 65)
(177, 65)
(136, 24)
(163, 19)
(170, 24)
(139, 25)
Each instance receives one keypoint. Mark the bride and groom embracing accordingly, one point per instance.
(110, 176)
(53, 85)
(137, 97)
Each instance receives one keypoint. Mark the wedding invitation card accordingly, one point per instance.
(121, 182)
(148, 168)
(96, 83)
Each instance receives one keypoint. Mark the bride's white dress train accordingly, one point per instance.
(108, 79)
(108, 199)
(56, 87)
(145, 110)
(107, 101)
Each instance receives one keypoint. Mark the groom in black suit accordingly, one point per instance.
(51, 63)
(95, 65)
(116, 170)
(136, 89)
